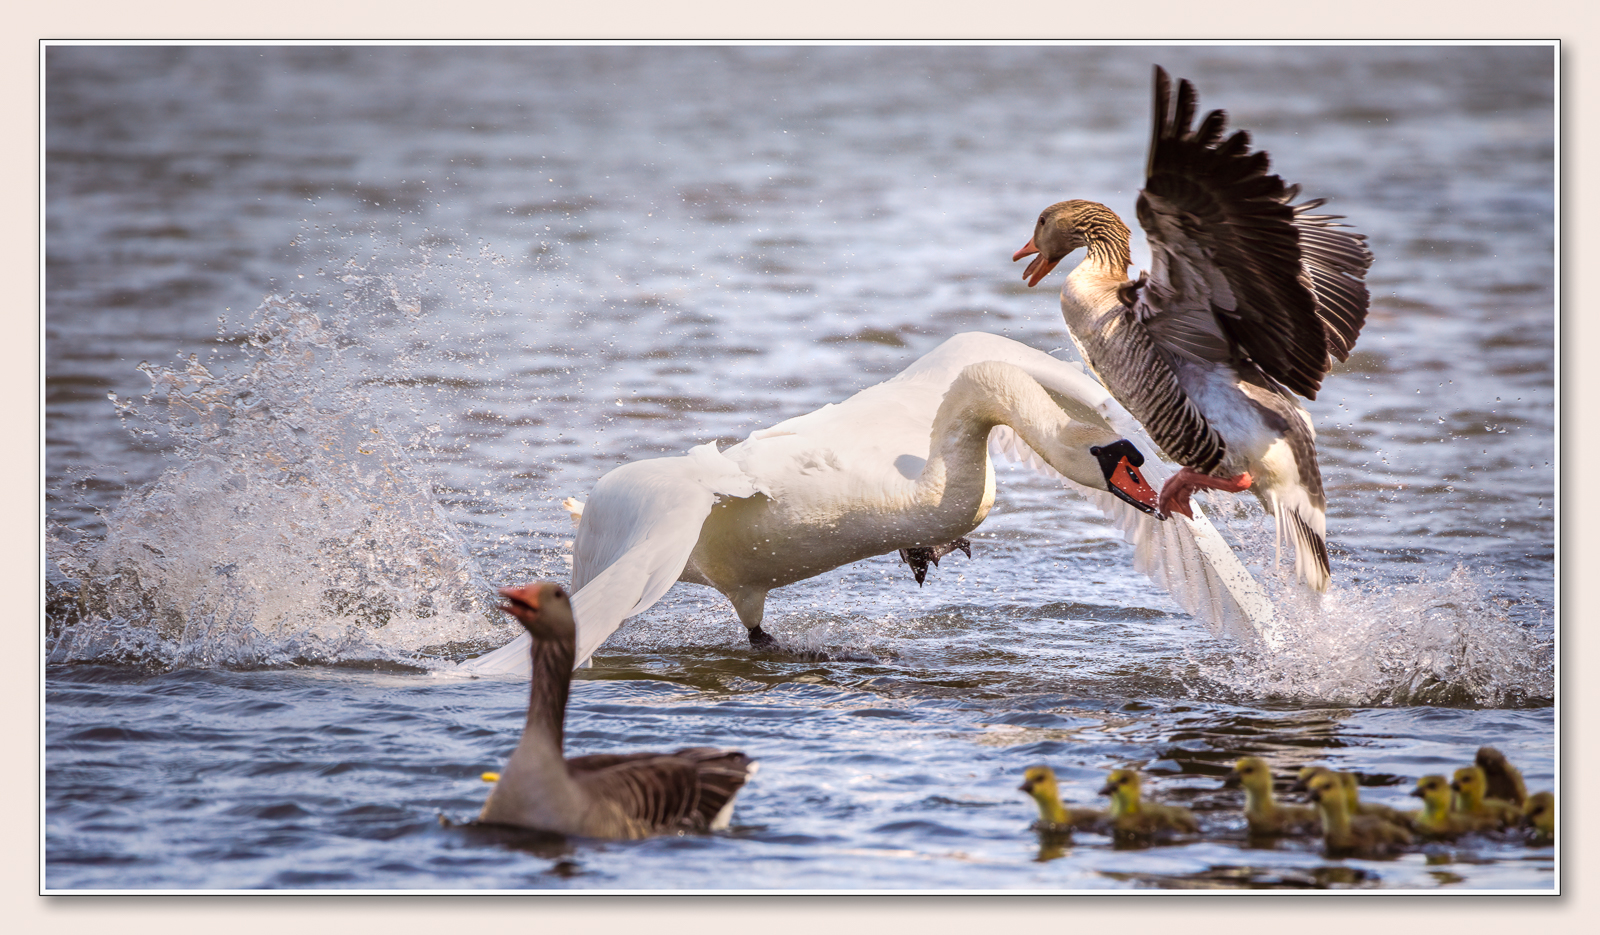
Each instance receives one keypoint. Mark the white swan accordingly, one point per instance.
(1246, 298)
(901, 465)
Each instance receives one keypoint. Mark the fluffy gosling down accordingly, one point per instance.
(1540, 815)
(1040, 783)
(1131, 816)
(1470, 787)
(1505, 780)
(1265, 815)
(1347, 835)
(1437, 819)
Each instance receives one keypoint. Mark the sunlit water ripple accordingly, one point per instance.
(497, 273)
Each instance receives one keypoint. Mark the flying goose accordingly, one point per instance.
(608, 795)
(1247, 297)
(903, 465)
(1265, 815)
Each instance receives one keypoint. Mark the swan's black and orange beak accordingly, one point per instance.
(1039, 268)
(1120, 462)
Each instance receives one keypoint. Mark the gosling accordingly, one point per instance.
(1055, 818)
(1469, 786)
(1352, 795)
(1346, 835)
(1132, 817)
(1540, 815)
(1436, 819)
(1266, 817)
(1505, 780)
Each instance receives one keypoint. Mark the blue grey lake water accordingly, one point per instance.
(331, 332)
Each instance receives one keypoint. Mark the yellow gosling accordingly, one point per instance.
(1470, 788)
(1130, 815)
(1261, 810)
(1505, 780)
(1436, 819)
(1352, 798)
(1346, 835)
(1040, 783)
(1540, 815)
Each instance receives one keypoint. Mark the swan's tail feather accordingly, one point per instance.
(1190, 559)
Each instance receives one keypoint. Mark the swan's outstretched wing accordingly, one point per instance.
(637, 531)
(1190, 559)
(1233, 263)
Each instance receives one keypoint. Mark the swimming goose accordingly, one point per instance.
(1347, 835)
(1504, 780)
(1469, 785)
(629, 795)
(1247, 297)
(1436, 819)
(1054, 817)
(901, 465)
(1131, 816)
(1263, 813)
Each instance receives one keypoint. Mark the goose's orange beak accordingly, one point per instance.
(1039, 268)
(523, 598)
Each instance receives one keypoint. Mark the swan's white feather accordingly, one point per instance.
(643, 520)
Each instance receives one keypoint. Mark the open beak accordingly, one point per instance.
(1107, 789)
(1026, 787)
(1039, 268)
(523, 599)
(1417, 793)
(1119, 462)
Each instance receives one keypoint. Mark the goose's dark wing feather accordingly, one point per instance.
(664, 790)
(1236, 268)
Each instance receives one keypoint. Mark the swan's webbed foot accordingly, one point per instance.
(919, 558)
(1175, 492)
(760, 639)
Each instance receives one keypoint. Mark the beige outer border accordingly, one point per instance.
(26, 23)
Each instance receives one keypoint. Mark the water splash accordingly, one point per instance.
(1439, 641)
(290, 527)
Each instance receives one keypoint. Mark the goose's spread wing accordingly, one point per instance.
(1235, 268)
(690, 788)
(1188, 558)
(636, 533)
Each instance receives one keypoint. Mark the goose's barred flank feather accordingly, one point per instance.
(1154, 396)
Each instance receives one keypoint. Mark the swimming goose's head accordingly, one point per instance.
(1064, 227)
(543, 609)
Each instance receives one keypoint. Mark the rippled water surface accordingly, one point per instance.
(332, 332)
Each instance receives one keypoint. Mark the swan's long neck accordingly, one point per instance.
(958, 476)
